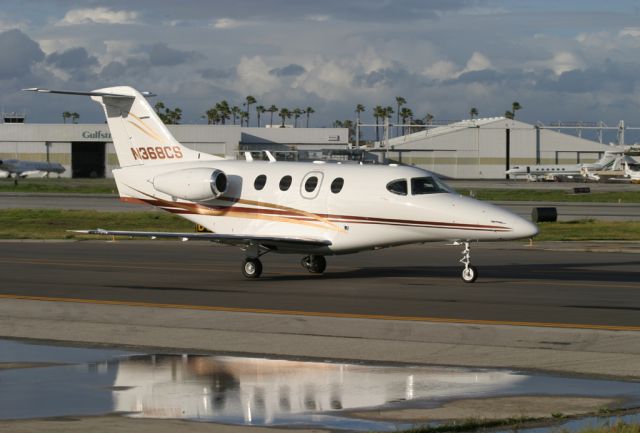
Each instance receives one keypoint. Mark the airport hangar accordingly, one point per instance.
(469, 149)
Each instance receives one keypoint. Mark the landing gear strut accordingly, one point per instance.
(469, 273)
(314, 264)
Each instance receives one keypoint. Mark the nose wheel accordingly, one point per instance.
(469, 273)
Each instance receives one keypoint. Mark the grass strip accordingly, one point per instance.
(53, 223)
(518, 423)
(63, 185)
(553, 196)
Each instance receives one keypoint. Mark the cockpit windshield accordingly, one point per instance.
(428, 185)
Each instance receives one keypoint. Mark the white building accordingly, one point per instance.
(486, 148)
(86, 150)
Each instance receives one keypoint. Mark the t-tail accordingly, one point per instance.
(138, 134)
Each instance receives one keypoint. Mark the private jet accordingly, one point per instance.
(631, 174)
(314, 209)
(609, 161)
(18, 168)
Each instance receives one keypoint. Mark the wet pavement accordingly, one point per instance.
(254, 391)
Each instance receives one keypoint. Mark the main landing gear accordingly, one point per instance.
(251, 267)
(469, 273)
(314, 264)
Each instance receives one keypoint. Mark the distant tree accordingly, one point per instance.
(224, 111)
(66, 115)
(400, 101)
(244, 117)
(284, 114)
(272, 110)
(296, 115)
(428, 118)
(74, 117)
(509, 114)
(212, 116)
(515, 106)
(166, 115)
(359, 109)
(235, 113)
(337, 123)
(309, 111)
(260, 110)
(405, 114)
(378, 113)
(473, 112)
(249, 100)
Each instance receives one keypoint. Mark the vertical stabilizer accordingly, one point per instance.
(138, 134)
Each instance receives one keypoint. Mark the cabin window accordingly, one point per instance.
(398, 187)
(311, 184)
(427, 185)
(260, 182)
(285, 183)
(337, 184)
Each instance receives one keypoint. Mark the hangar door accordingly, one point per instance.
(87, 159)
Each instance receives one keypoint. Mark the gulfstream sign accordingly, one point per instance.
(96, 134)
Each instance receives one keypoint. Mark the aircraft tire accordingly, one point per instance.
(470, 274)
(317, 264)
(251, 267)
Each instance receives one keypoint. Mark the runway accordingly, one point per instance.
(108, 203)
(517, 285)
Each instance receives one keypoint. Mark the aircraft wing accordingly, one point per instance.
(267, 241)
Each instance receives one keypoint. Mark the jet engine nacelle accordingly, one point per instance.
(196, 184)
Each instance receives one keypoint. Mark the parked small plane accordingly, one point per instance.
(609, 161)
(310, 208)
(631, 174)
(20, 168)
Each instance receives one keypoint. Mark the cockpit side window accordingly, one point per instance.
(426, 185)
(398, 186)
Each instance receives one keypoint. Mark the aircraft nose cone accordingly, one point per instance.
(523, 228)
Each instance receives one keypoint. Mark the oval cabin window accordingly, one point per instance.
(336, 185)
(311, 184)
(285, 183)
(260, 182)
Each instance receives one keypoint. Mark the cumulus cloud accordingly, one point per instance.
(74, 58)
(99, 15)
(162, 55)
(19, 54)
(227, 23)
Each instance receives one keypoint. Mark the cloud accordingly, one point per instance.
(99, 15)
(162, 55)
(73, 58)
(227, 23)
(19, 54)
(291, 70)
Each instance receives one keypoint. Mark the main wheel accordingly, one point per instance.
(251, 267)
(317, 265)
(469, 274)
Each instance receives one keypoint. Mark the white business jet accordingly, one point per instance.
(310, 208)
(631, 174)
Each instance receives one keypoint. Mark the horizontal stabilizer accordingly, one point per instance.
(69, 92)
(214, 237)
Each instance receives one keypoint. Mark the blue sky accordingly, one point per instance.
(562, 60)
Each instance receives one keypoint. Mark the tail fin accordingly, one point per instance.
(138, 134)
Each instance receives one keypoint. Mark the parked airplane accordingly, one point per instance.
(20, 168)
(631, 174)
(609, 161)
(310, 208)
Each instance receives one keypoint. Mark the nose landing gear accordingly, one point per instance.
(469, 273)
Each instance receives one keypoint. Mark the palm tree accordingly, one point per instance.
(74, 117)
(337, 123)
(473, 112)
(378, 113)
(250, 100)
(359, 109)
(284, 113)
(400, 101)
(224, 112)
(235, 112)
(428, 118)
(296, 114)
(244, 116)
(308, 111)
(260, 110)
(212, 116)
(405, 114)
(66, 115)
(515, 106)
(272, 110)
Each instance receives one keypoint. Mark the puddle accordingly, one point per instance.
(252, 391)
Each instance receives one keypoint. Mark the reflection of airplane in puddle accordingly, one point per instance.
(265, 391)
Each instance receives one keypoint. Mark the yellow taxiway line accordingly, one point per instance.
(325, 314)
